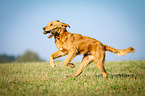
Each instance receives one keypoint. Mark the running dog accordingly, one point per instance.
(75, 44)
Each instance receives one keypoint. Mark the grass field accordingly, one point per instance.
(126, 78)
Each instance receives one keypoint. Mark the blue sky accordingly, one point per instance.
(117, 23)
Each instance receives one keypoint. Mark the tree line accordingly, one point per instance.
(28, 56)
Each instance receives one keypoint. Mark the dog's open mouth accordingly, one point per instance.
(49, 33)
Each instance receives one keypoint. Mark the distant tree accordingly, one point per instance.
(5, 58)
(28, 56)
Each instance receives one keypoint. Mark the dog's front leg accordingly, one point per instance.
(69, 58)
(57, 54)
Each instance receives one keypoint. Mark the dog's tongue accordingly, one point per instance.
(49, 34)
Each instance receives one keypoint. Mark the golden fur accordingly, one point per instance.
(75, 44)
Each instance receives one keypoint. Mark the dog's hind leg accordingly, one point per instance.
(99, 62)
(86, 60)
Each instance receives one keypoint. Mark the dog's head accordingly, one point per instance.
(54, 28)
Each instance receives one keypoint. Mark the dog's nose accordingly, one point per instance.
(44, 28)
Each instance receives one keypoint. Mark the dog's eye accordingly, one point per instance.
(51, 25)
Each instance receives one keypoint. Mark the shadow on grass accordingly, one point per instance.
(118, 76)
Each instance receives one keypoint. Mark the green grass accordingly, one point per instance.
(126, 78)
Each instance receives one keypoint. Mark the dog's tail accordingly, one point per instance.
(117, 51)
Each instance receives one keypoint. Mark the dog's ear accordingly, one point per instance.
(66, 25)
(57, 20)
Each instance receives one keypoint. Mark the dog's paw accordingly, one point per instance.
(71, 76)
(71, 65)
(52, 65)
(68, 76)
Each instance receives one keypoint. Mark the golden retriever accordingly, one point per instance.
(75, 44)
